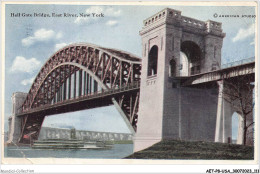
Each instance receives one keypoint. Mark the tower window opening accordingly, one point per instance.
(152, 61)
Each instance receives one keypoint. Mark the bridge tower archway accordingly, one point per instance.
(190, 58)
(152, 61)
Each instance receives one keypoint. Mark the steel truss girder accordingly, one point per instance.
(31, 128)
(130, 104)
(114, 70)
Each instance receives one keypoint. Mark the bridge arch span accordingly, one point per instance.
(76, 72)
(122, 67)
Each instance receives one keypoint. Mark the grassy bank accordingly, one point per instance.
(175, 149)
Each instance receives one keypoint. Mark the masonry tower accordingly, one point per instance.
(175, 47)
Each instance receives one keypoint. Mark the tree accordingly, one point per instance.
(239, 92)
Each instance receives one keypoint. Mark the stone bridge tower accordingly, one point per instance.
(174, 47)
(15, 123)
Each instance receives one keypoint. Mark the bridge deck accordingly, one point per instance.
(84, 102)
(230, 72)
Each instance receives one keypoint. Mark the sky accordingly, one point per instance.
(30, 41)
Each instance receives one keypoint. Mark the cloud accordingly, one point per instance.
(41, 35)
(244, 33)
(107, 11)
(21, 64)
(59, 46)
(111, 23)
(27, 81)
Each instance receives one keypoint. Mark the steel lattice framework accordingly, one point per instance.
(77, 72)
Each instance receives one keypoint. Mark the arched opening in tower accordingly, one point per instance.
(190, 59)
(184, 64)
(152, 61)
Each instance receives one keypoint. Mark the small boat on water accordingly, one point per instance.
(70, 144)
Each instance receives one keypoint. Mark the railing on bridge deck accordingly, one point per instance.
(230, 70)
(102, 93)
(239, 62)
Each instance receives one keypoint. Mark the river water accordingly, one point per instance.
(118, 151)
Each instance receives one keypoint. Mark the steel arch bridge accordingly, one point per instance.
(82, 76)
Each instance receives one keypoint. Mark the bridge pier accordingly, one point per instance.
(225, 110)
(15, 123)
(224, 116)
(240, 130)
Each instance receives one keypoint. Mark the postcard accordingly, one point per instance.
(130, 83)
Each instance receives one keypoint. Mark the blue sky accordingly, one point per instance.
(30, 41)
